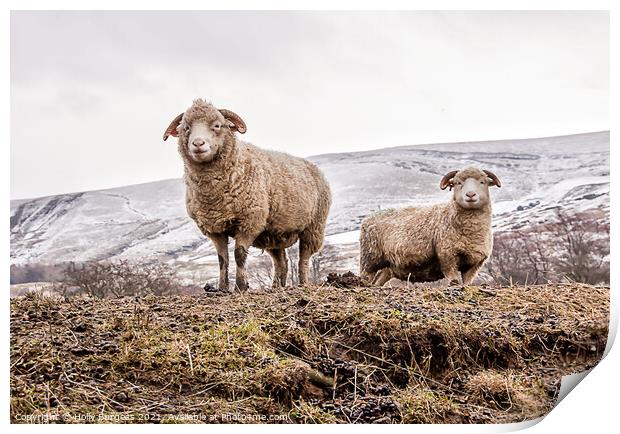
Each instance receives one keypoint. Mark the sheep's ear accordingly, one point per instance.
(234, 121)
(493, 177)
(172, 128)
(446, 181)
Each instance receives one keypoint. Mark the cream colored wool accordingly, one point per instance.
(428, 243)
(266, 199)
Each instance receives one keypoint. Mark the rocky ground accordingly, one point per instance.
(330, 354)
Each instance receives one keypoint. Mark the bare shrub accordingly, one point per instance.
(582, 250)
(119, 279)
(520, 257)
(571, 247)
(321, 264)
(293, 264)
(261, 272)
(324, 262)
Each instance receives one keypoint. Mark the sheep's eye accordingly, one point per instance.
(481, 182)
(216, 126)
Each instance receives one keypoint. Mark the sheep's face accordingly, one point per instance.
(471, 187)
(471, 192)
(203, 130)
(203, 139)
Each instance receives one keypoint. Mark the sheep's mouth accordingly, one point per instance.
(201, 153)
(471, 203)
(202, 156)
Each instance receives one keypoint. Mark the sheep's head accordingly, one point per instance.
(202, 130)
(471, 186)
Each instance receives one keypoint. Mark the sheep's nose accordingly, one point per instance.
(470, 194)
(198, 141)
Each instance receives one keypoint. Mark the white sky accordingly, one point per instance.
(92, 92)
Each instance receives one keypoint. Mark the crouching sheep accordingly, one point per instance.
(427, 243)
(260, 198)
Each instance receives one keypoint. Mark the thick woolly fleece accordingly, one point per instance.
(427, 243)
(261, 198)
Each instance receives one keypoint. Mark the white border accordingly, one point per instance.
(593, 404)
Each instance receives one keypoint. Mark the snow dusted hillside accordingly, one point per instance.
(543, 170)
(148, 221)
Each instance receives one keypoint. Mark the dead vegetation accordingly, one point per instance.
(570, 247)
(118, 279)
(305, 355)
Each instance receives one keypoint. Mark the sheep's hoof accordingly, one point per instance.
(242, 287)
(455, 285)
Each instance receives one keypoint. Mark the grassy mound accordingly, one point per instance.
(325, 354)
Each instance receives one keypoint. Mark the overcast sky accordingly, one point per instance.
(92, 92)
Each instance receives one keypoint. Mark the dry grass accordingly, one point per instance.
(309, 355)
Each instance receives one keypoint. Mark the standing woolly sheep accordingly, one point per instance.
(427, 243)
(260, 198)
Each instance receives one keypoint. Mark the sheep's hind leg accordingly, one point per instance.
(307, 247)
(220, 241)
(280, 266)
(242, 245)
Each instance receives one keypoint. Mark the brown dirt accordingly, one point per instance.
(325, 354)
(344, 280)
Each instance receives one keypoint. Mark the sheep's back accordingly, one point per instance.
(297, 190)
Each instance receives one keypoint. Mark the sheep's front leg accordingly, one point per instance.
(470, 274)
(220, 241)
(382, 277)
(242, 245)
(450, 269)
